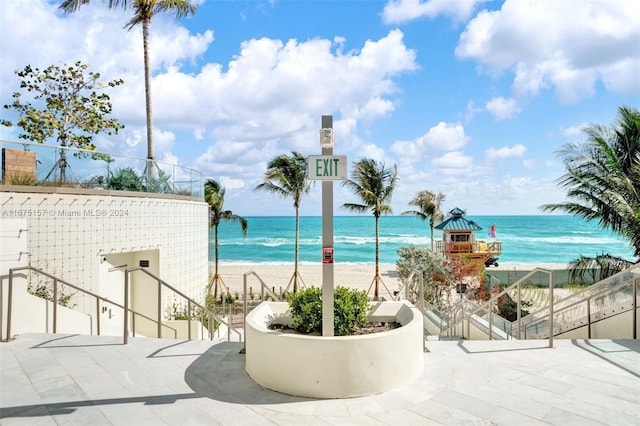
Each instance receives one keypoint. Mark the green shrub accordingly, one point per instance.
(180, 312)
(25, 179)
(125, 179)
(350, 310)
(438, 278)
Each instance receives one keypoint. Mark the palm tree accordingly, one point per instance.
(603, 176)
(143, 11)
(286, 176)
(598, 268)
(374, 184)
(214, 196)
(428, 204)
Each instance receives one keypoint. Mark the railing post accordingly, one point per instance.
(210, 320)
(588, 318)
(490, 322)
(159, 310)
(189, 318)
(55, 306)
(421, 305)
(244, 322)
(634, 305)
(97, 316)
(519, 306)
(9, 303)
(126, 308)
(462, 311)
(550, 309)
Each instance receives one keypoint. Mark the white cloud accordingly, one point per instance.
(373, 151)
(506, 152)
(401, 11)
(573, 131)
(546, 49)
(231, 183)
(231, 118)
(503, 109)
(454, 163)
(442, 137)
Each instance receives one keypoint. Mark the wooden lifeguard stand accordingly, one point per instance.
(458, 239)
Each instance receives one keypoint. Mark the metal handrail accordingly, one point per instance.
(488, 304)
(210, 315)
(245, 306)
(587, 299)
(57, 280)
(410, 293)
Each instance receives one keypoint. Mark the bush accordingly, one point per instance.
(350, 310)
(437, 276)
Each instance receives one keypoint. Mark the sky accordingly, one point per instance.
(470, 98)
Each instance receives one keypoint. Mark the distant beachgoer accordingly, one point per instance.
(492, 232)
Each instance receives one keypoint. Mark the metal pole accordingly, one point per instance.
(634, 305)
(519, 313)
(551, 309)
(159, 309)
(327, 241)
(189, 318)
(126, 308)
(55, 306)
(244, 307)
(9, 300)
(421, 306)
(588, 318)
(97, 316)
(490, 321)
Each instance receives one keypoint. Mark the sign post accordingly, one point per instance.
(327, 168)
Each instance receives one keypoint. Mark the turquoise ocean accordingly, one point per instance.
(525, 239)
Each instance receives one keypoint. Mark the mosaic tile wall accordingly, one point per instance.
(68, 235)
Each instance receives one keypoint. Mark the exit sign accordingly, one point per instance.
(327, 167)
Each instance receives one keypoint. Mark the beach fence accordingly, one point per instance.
(560, 277)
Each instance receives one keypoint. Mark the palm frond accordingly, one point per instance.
(602, 176)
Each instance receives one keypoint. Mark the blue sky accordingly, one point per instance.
(469, 98)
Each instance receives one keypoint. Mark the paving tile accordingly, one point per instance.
(405, 418)
(69, 379)
(448, 415)
(564, 418)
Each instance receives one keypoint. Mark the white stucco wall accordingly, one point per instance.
(83, 237)
(335, 366)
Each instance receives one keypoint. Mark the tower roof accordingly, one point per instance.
(457, 222)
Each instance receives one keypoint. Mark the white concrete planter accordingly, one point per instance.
(334, 367)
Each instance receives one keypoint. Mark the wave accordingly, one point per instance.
(565, 239)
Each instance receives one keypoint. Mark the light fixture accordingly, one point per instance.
(326, 138)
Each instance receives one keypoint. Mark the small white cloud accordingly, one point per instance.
(573, 130)
(530, 164)
(401, 11)
(231, 183)
(471, 111)
(373, 151)
(452, 163)
(506, 152)
(502, 108)
(134, 138)
(441, 137)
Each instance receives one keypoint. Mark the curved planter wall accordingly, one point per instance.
(334, 367)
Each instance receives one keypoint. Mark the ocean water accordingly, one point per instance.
(525, 239)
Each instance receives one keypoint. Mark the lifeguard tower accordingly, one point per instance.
(458, 239)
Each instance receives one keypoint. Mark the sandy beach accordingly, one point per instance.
(350, 275)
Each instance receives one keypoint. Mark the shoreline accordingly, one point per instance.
(277, 275)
